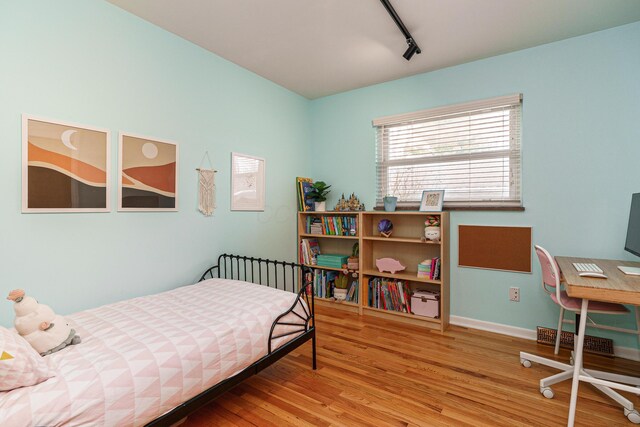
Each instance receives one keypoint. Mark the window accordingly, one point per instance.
(470, 150)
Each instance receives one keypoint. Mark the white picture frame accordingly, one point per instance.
(432, 201)
(247, 182)
(147, 174)
(65, 167)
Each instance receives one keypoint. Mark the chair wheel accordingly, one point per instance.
(526, 363)
(547, 392)
(632, 416)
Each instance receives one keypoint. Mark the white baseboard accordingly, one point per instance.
(528, 334)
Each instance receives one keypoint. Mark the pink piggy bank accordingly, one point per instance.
(389, 264)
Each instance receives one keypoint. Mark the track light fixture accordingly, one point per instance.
(413, 48)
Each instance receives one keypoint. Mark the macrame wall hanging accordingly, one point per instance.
(206, 187)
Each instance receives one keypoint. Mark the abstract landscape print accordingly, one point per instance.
(148, 174)
(65, 168)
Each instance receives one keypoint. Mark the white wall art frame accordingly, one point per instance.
(65, 167)
(247, 182)
(147, 174)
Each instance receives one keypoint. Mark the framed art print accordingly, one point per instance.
(247, 183)
(65, 167)
(147, 174)
(432, 201)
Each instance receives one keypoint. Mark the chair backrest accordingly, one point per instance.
(550, 269)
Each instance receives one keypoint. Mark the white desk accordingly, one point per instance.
(618, 288)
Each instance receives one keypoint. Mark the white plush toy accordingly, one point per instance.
(46, 331)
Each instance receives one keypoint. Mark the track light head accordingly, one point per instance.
(411, 50)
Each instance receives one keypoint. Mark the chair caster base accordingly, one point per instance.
(526, 363)
(632, 416)
(547, 392)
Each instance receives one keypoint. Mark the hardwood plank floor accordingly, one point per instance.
(373, 372)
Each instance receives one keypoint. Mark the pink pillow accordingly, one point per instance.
(20, 364)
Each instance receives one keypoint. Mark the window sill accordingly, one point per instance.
(461, 208)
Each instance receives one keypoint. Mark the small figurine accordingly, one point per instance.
(342, 204)
(385, 227)
(389, 264)
(354, 203)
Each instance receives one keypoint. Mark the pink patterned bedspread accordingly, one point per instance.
(142, 357)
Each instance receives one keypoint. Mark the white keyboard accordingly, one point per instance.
(587, 268)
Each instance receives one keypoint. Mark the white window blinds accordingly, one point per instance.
(470, 150)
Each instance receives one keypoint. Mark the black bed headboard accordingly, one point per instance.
(275, 274)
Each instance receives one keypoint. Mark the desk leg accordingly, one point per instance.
(577, 366)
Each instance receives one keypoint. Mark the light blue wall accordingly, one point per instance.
(92, 63)
(581, 155)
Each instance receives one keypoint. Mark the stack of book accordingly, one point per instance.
(333, 261)
(424, 268)
(309, 251)
(314, 225)
(389, 294)
(430, 268)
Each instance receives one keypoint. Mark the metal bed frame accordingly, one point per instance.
(268, 271)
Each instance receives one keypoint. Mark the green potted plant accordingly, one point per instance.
(340, 290)
(318, 194)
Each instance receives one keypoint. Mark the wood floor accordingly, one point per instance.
(372, 372)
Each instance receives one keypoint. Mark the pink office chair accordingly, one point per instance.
(552, 286)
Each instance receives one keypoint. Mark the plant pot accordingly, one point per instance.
(432, 233)
(390, 203)
(320, 206)
(353, 263)
(340, 294)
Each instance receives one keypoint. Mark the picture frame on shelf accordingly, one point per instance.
(247, 182)
(147, 174)
(432, 201)
(65, 167)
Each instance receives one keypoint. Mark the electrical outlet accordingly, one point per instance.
(514, 294)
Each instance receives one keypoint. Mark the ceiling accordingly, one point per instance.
(321, 47)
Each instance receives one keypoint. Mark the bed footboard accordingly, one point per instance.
(286, 276)
(282, 275)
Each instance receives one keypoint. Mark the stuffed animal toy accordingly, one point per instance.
(46, 331)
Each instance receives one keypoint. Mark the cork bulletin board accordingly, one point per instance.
(495, 248)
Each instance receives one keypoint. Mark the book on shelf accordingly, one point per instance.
(303, 187)
(324, 282)
(324, 285)
(332, 225)
(309, 251)
(389, 294)
(352, 293)
(434, 273)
